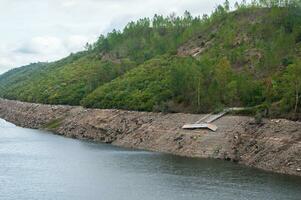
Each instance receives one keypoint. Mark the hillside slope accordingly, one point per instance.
(63, 82)
(248, 57)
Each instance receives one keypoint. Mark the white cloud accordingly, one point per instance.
(5, 64)
(69, 3)
(76, 42)
(41, 45)
(41, 48)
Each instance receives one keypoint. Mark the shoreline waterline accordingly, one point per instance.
(273, 146)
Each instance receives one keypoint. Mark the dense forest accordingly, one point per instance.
(249, 57)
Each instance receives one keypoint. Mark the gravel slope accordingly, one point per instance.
(274, 145)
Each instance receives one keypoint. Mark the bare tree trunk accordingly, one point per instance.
(297, 100)
(199, 92)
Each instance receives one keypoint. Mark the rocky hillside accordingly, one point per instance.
(248, 57)
(272, 145)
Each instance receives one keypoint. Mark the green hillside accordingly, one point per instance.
(64, 82)
(249, 57)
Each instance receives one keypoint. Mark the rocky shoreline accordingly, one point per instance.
(274, 145)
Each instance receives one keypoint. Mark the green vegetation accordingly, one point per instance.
(54, 124)
(175, 84)
(248, 57)
(63, 82)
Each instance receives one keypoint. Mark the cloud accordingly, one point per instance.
(41, 48)
(40, 45)
(75, 42)
(69, 3)
(5, 64)
(51, 45)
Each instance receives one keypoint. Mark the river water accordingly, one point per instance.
(36, 165)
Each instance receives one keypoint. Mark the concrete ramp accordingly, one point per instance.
(205, 122)
(211, 127)
(214, 117)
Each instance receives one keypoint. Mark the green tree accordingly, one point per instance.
(223, 76)
(292, 84)
(227, 5)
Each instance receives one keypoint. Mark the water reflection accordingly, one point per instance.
(38, 165)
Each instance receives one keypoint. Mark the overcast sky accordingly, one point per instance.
(47, 30)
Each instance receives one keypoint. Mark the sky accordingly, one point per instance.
(47, 30)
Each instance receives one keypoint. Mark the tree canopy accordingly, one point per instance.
(249, 57)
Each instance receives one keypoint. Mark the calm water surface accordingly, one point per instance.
(35, 165)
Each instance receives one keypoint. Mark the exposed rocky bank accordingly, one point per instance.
(274, 145)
